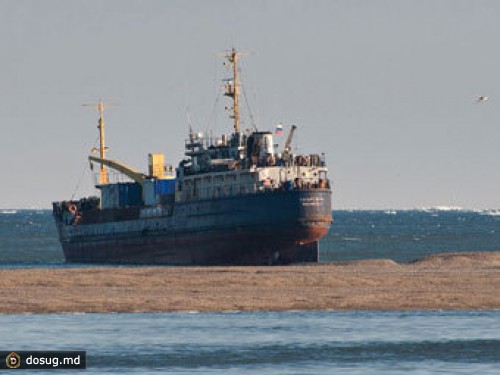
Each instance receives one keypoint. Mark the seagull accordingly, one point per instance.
(482, 99)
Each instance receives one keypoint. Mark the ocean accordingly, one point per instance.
(275, 343)
(28, 238)
(284, 343)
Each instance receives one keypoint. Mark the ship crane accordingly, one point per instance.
(130, 172)
(288, 142)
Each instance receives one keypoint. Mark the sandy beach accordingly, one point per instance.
(444, 281)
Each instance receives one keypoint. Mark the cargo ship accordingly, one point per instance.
(233, 200)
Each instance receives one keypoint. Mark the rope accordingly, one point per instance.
(77, 187)
(212, 114)
(247, 103)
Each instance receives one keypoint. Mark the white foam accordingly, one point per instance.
(490, 212)
(8, 212)
(443, 208)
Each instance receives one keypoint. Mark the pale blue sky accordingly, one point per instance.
(385, 88)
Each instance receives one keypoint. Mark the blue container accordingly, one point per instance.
(134, 195)
(164, 187)
(110, 196)
(130, 194)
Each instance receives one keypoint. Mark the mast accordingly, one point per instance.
(233, 88)
(103, 174)
(102, 147)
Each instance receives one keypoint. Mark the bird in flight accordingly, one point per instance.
(482, 99)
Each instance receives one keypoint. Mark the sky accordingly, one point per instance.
(386, 89)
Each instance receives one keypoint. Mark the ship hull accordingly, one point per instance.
(268, 228)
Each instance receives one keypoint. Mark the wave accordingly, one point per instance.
(8, 212)
(431, 209)
(490, 212)
(443, 208)
(352, 239)
(195, 356)
(438, 208)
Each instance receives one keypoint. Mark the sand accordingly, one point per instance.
(444, 281)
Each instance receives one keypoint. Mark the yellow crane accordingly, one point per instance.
(130, 172)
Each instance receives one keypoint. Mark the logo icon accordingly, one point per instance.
(13, 360)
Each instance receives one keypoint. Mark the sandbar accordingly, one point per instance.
(454, 281)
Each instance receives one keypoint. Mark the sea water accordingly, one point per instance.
(28, 238)
(271, 343)
(353, 342)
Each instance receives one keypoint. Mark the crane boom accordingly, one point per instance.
(289, 139)
(130, 172)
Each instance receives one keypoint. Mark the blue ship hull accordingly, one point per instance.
(277, 227)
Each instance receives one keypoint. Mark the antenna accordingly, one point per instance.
(102, 147)
(188, 118)
(232, 85)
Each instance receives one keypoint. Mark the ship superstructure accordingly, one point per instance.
(236, 199)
